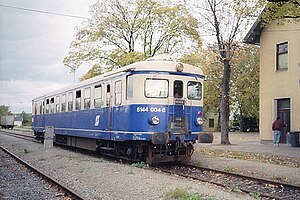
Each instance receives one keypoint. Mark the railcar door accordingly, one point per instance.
(178, 119)
(109, 107)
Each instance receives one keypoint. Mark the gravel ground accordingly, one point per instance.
(95, 178)
(249, 142)
(17, 182)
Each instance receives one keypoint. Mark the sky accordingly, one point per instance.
(32, 48)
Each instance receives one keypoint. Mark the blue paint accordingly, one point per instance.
(126, 122)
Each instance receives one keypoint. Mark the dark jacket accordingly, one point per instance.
(277, 125)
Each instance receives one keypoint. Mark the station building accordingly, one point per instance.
(279, 76)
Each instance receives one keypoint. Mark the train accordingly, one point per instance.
(7, 122)
(150, 111)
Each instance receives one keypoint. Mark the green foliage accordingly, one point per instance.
(122, 32)
(26, 119)
(140, 165)
(181, 194)
(4, 110)
(131, 172)
(281, 11)
(256, 195)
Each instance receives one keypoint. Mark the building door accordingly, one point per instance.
(283, 111)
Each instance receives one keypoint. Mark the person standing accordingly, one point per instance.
(277, 127)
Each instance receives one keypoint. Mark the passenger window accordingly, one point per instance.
(118, 93)
(194, 90)
(178, 89)
(87, 98)
(98, 96)
(78, 100)
(63, 103)
(156, 88)
(70, 101)
(129, 88)
(47, 106)
(57, 104)
(108, 95)
(43, 108)
(52, 105)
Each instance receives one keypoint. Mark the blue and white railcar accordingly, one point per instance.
(147, 111)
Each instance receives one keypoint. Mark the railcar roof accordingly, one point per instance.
(147, 65)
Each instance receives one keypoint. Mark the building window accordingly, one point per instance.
(211, 123)
(282, 56)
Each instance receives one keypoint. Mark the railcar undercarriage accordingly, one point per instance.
(135, 151)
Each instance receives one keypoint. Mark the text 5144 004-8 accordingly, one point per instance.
(151, 109)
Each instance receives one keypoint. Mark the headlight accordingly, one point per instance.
(199, 121)
(154, 120)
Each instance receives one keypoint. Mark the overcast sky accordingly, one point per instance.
(32, 48)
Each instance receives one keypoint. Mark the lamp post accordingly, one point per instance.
(22, 113)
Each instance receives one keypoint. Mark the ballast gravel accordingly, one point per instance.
(97, 178)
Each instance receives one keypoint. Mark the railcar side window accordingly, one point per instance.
(178, 89)
(118, 93)
(87, 98)
(98, 96)
(63, 103)
(129, 88)
(52, 105)
(78, 100)
(194, 90)
(57, 104)
(43, 108)
(156, 88)
(70, 101)
(47, 106)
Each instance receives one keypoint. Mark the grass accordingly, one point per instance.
(141, 165)
(278, 160)
(181, 194)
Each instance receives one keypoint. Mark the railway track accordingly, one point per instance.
(65, 192)
(256, 187)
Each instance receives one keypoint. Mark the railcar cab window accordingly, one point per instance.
(156, 88)
(178, 89)
(97, 96)
(78, 100)
(118, 93)
(63, 103)
(87, 98)
(194, 90)
(70, 101)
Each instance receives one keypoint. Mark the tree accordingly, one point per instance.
(282, 11)
(225, 19)
(4, 110)
(245, 83)
(124, 32)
